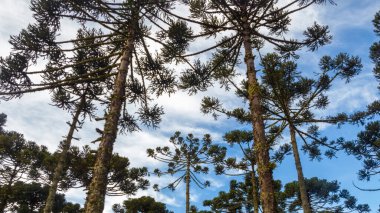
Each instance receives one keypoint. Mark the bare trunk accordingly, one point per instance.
(58, 172)
(261, 147)
(301, 180)
(97, 190)
(255, 191)
(188, 186)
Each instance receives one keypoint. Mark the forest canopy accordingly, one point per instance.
(189, 106)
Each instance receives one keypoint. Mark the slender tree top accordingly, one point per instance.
(189, 155)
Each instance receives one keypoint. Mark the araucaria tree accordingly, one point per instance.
(238, 199)
(20, 160)
(122, 33)
(291, 98)
(325, 196)
(367, 145)
(143, 204)
(244, 166)
(188, 158)
(78, 99)
(250, 24)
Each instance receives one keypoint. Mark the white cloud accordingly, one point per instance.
(45, 124)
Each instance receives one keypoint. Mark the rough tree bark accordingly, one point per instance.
(255, 191)
(261, 147)
(58, 172)
(301, 180)
(188, 185)
(97, 190)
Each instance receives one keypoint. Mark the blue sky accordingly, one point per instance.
(350, 24)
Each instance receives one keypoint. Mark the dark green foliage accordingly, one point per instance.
(325, 196)
(238, 199)
(111, 41)
(90, 61)
(242, 18)
(291, 98)
(20, 159)
(367, 148)
(373, 109)
(122, 180)
(189, 155)
(143, 204)
(375, 48)
(72, 208)
(3, 120)
(31, 197)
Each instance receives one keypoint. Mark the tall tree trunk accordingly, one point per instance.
(187, 179)
(98, 187)
(255, 191)
(261, 147)
(301, 180)
(58, 172)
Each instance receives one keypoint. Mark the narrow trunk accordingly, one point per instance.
(188, 186)
(301, 180)
(255, 191)
(261, 147)
(58, 172)
(97, 190)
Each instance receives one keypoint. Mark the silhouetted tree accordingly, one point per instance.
(31, 197)
(367, 148)
(188, 158)
(144, 204)
(324, 196)
(19, 161)
(3, 120)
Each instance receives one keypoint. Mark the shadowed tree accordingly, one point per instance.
(367, 148)
(373, 109)
(3, 120)
(188, 158)
(31, 197)
(19, 161)
(247, 25)
(244, 166)
(121, 179)
(236, 200)
(324, 196)
(144, 204)
(123, 34)
(375, 48)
